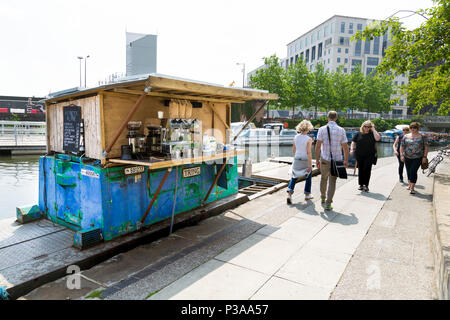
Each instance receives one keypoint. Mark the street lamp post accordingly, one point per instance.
(85, 60)
(243, 73)
(80, 58)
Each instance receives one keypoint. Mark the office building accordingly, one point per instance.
(329, 43)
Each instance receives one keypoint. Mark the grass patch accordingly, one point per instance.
(155, 292)
(96, 294)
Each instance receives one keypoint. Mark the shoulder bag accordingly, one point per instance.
(375, 156)
(424, 164)
(337, 168)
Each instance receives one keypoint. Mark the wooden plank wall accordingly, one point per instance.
(90, 112)
(115, 107)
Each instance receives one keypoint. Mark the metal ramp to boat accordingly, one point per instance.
(255, 187)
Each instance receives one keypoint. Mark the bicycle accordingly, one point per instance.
(435, 161)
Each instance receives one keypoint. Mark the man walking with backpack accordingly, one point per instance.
(331, 140)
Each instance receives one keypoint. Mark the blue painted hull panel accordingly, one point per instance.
(85, 196)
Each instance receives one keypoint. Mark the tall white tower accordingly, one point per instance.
(141, 53)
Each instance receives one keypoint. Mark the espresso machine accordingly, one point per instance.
(155, 137)
(136, 148)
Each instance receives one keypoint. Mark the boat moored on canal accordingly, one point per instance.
(123, 156)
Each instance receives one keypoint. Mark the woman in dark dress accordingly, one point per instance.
(363, 147)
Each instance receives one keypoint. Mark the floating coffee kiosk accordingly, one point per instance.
(124, 156)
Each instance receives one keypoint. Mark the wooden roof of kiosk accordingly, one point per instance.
(107, 109)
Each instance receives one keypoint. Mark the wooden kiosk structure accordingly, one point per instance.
(87, 186)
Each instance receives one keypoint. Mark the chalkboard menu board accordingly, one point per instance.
(72, 120)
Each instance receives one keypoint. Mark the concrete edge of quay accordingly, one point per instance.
(441, 229)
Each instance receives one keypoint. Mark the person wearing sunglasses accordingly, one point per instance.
(413, 151)
(363, 146)
(396, 148)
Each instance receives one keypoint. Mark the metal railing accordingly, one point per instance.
(22, 133)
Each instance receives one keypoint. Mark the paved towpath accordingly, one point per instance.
(368, 247)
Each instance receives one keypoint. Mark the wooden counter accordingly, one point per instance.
(178, 162)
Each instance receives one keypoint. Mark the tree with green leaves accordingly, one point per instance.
(298, 85)
(357, 83)
(341, 89)
(377, 94)
(272, 79)
(422, 52)
(322, 93)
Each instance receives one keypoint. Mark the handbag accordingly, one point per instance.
(337, 168)
(424, 164)
(375, 159)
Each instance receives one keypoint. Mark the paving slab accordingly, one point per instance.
(214, 280)
(281, 289)
(296, 231)
(308, 268)
(260, 253)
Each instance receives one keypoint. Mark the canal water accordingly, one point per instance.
(19, 175)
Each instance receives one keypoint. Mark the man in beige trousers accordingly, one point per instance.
(323, 156)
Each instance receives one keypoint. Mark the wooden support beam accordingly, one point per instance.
(179, 96)
(125, 122)
(218, 115)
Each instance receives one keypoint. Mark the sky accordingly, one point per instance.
(202, 40)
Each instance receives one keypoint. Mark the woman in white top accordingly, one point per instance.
(302, 165)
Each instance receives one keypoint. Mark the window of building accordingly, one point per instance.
(319, 51)
(346, 50)
(329, 50)
(345, 60)
(292, 60)
(302, 55)
(358, 48)
(376, 45)
(369, 71)
(367, 47)
(396, 83)
(325, 31)
(306, 42)
(287, 63)
(313, 53)
(328, 42)
(342, 27)
(338, 60)
(311, 67)
(397, 111)
(383, 48)
(403, 83)
(332, 28)
(400, 103)
(318, 35)
(345, 70)
(339, 50)
(359, 26)
(341, 41)
(356, 61)
(328, 61)
(371, 61)
(312, 38)
(296, 58)
(296, 47)
(350, 25)
(301, 44)
(307, 56)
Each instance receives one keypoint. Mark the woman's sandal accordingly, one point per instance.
(412, 192)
